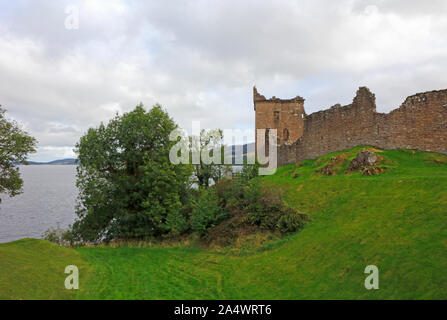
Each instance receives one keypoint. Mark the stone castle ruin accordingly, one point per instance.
(419, 123)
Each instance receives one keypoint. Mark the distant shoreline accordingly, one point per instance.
(59, 162)
(244, 149)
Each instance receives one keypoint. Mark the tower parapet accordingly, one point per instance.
(284, 115)
(257, 97)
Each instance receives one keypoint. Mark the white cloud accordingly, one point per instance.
(200, 58)
(50, 153)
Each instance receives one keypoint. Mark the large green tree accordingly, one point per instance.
(15, 145)
(128, 186)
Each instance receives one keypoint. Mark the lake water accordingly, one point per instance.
(48, 200)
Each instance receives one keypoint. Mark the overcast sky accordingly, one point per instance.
(200, 59)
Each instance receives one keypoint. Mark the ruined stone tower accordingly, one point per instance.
(284, 115)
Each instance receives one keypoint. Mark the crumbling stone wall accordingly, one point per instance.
(419, 123)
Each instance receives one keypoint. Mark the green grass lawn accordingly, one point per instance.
(34, 269)
(396, 220)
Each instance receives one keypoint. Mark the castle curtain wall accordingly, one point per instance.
(420, 123)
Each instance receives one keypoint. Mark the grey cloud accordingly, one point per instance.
(404, 7)
(199, 59)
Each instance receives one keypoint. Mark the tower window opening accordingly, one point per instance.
(286, 134)
(276, 115)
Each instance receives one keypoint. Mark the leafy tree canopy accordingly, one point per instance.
(128, 187)
(15, 145)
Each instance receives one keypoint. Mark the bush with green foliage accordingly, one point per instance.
(264, 206)
(231, 194)
(249, 171)
(291, 221)
(128, 188)
(250, 202)
(62, 237)
(208, 212)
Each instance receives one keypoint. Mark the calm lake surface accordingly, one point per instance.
(48, 200)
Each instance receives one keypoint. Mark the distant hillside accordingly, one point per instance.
(69, 161)
(247, 150)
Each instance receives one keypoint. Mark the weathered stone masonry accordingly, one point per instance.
(419, 123)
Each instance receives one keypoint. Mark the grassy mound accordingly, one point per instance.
(34, 269)
(396, 220)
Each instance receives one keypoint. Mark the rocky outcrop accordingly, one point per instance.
(363, 159)
(366, 161)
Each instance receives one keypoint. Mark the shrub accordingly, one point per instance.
(245, 205)
(176, 223)
(264, 206)
(291, 221)
(249, 171)
(267, 210)
(231, 194)
(59, 236)
(207, 212)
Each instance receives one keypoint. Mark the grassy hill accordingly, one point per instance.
(34, 269)
(396, 220)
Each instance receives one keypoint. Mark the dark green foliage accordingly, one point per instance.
(15, 145)
(231, 194)
(208, 212)
(291, 221)
(264, 206)
(249, 171)
(128, 187)
(250, 205)
(266, 209)
(59, 236)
